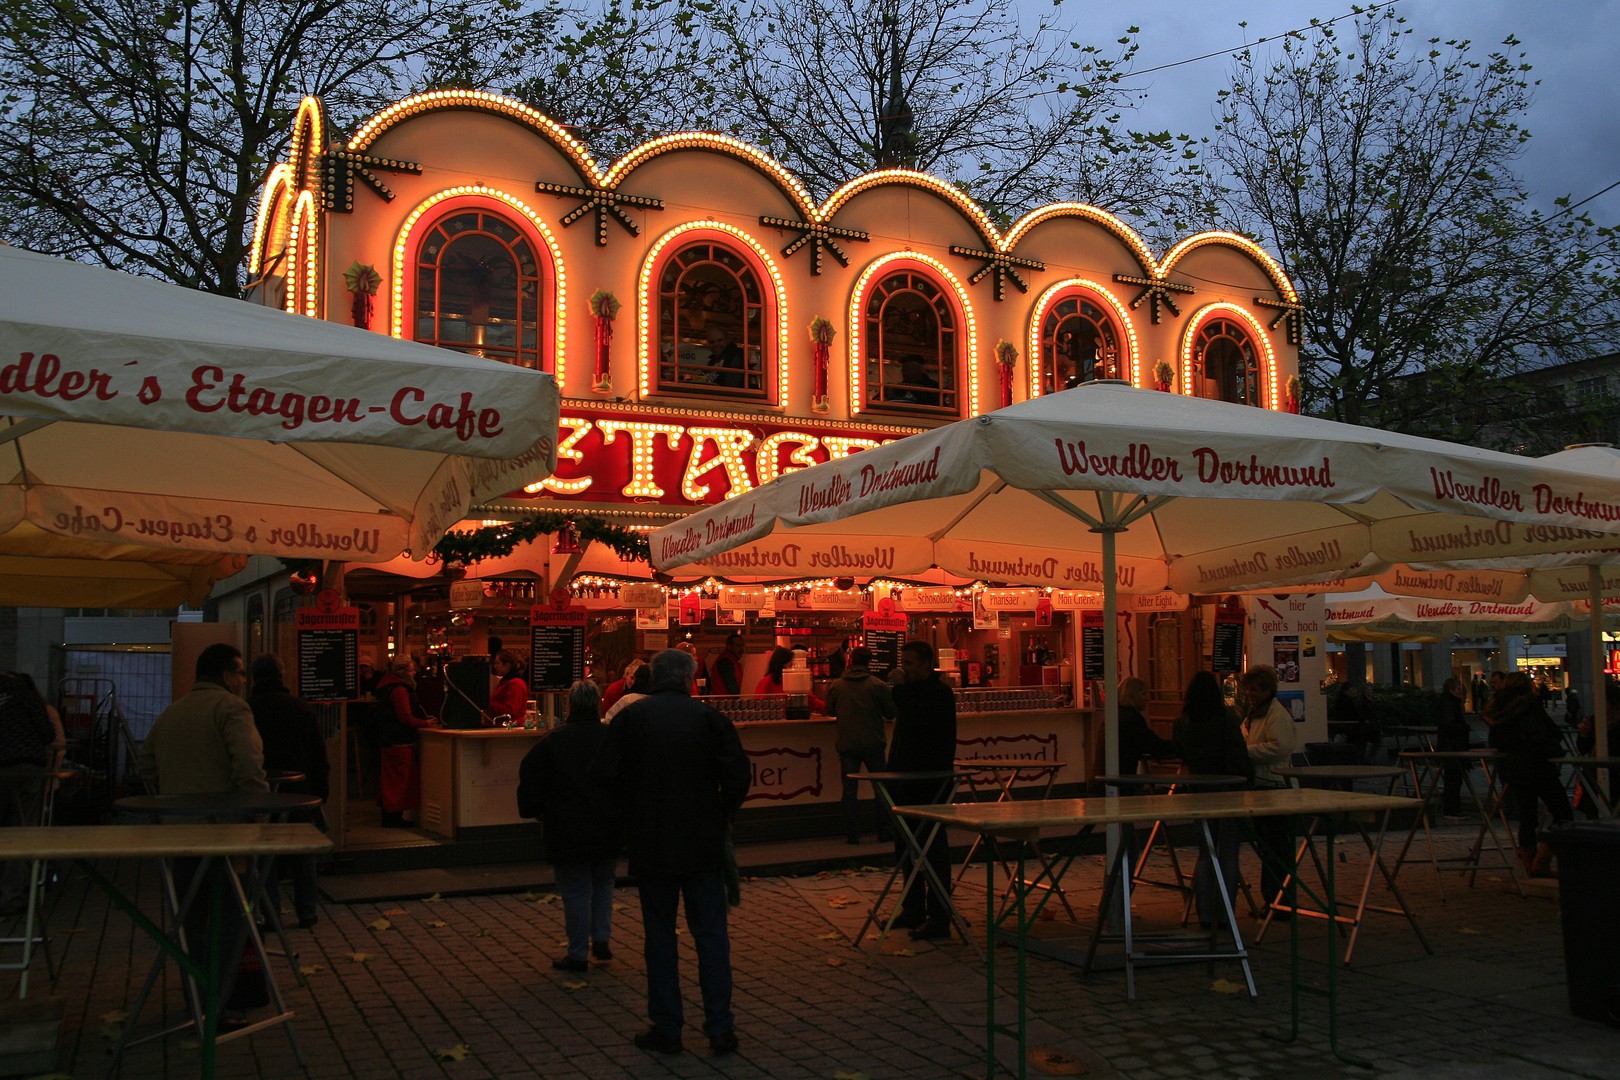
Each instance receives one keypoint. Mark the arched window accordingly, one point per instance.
(478, 288)
(911, 346)
(1079, 342)
(1225, 359)
(712, 324)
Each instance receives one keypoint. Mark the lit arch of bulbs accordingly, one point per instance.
(1133, 358)
(403, 247)
(304, 257)
(1272, 398)
(1085, 212)
(1242, 243)
(646, 301)
(438, 100)
(857, 305)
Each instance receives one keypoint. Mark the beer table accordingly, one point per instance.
(1000, 775)
(1170, 784)
(1022, 822)
(1432, 763)
(208, 843)
(233, 806)
(946, 782)
(13, 779)
(1343, 778)
(1586, 772)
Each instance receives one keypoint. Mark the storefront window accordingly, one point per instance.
(1079, 343)
(478, 288)
(1224, 355)
(711, 324)
(911, 338)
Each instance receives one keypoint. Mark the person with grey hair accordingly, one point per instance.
(583, 832)
(678, 770)
(292, 743)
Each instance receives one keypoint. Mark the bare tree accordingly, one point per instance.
(1016, 114)
(136, 133)
(1380, 170)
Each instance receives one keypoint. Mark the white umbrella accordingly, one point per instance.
(1124, 490)
(139, 415)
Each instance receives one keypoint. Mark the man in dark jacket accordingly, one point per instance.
(924, 741)
(860, 702)
(292, 743)
(680, 773)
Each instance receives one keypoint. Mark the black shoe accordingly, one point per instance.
(601, 951)
(909, 920)
(661, 1044)
(723, 1044)
(932, 930)
(568, 963)
(308, 922)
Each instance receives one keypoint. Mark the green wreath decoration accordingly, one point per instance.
(494, 541)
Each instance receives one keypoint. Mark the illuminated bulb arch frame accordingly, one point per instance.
(1037, 362)
(857, 317)
(1271, 399)
(404, 247)
(646, 349)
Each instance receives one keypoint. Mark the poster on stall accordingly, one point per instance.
(883, 632)
(1227, 657)
(730, 617)
(1285, 632)
(556, 645)
(328, 649)
(1285, 657)
(1091, 645)
(653, 618)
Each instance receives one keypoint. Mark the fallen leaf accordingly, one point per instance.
(311, 969)
(457, 1052)
(530, 897)
(900, 952)
(840, 901)
(831, 935)
(548, 898)
(379, 924)
(482, 931)
(619, 907)
(117, 1016)
(1225, 986)
(396, 912)
(359, 957)
(434, 899)
(1054, 1062)
(436, 924)
(575, 985)
(836, 961)
(1469, 930)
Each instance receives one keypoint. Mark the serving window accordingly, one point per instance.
(1080, 342)
(713, 314)
(1226, 366)
(911, 338)
(479, 288)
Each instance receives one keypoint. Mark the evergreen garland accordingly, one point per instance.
(494, 541)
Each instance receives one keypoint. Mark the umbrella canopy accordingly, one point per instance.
(1124, 490)
(139, 415)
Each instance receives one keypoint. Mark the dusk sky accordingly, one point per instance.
(1569, 43)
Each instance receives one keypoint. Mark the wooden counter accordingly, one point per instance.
(469, 778)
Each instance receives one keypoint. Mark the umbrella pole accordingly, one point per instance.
(1600, 697)
(1110, 670)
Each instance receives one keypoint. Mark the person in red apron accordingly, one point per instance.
(399, 785)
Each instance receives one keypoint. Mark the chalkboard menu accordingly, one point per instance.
(556, 649)
(1091, 645)
(1228, 655)
(883, 633)
(328, 652)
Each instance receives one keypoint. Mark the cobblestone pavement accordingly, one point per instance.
(463, 987)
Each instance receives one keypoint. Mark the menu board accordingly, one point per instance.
(1091, 645)
(556, 648)
(1228, 653)
(328, 650)
(883, 632)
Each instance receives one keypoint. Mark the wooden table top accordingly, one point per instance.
(1028, 817)
(1187, 780)
(160, 841)
(1339, 772)
(218, 802)
(928, 774)
(1594, 762)
(1008, 763)
(1482, 754)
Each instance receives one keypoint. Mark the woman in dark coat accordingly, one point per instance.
(583, 835)
(1524, 734)
(1451, 733)
(292, 743)
(1210, 737)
